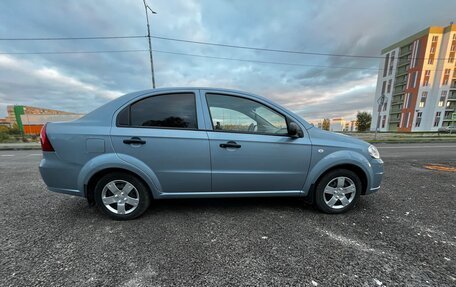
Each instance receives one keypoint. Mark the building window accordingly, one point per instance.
(405, 121)
(383, 87)
(415, 78)
(446, 76)
(423, 99)
(383, 121)
(442, 98)
(432, 49)
(435, 38)
(390, 71)
(385, 66)
(390, 83)
(427, 75)
(441, 101)
(418, 119)
(385, 105)
(437, 119)
(431, 61)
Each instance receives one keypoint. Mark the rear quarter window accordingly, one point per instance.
(165, 111)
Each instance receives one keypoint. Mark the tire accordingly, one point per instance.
(122, 196)
(338, 191)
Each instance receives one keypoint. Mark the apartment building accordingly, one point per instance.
(416, 86)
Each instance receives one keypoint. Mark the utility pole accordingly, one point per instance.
(150, 42)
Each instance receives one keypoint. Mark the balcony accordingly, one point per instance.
(404, 52)
(402, 71)
(403, 63)
(394, 120)
(452, 96)
(395, 111)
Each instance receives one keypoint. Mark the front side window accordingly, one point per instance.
(235, 114)
(165, 111)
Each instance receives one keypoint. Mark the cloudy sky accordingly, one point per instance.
(82, 82)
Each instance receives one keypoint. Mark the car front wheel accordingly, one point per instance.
(122, 196)
(337, 191)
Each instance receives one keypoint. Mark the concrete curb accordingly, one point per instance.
(20, 146)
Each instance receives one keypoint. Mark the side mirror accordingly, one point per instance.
(294, 130)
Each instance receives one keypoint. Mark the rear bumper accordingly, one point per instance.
(377, 175)
(59, 176)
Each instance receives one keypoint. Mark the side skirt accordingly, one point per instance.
(231, 194)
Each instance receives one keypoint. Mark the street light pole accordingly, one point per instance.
(150, 43)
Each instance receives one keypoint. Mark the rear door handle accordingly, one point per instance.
(134, 140)
(230, 144)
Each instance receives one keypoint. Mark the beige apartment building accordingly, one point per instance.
(416, 86)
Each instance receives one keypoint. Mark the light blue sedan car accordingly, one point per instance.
(201, 143)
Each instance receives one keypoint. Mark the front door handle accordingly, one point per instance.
(134, 140)
(230, 144)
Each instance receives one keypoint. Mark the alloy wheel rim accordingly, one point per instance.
(120, 197)
(339, 192)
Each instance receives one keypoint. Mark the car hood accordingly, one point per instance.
(326, 138)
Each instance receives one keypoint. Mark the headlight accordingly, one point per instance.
(373, 151)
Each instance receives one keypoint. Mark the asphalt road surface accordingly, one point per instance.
(405, 235)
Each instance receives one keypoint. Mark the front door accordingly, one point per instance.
(250, 146)
(162, 132)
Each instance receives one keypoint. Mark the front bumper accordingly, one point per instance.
(377, 175)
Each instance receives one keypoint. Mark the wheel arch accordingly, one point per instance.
(103, 164)
(89, 187)
(349, 160)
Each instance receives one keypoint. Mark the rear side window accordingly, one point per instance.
(123, 118)
(170, 110)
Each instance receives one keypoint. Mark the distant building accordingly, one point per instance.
(416, 86)
(30, 120)
(337, 125)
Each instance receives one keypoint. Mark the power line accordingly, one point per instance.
(208, 44)
(72, 52)
(267, 49)
(265, 62)
(73, 38)
(186, 54)
(193, 55)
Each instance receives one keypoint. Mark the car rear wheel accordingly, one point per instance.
(121, 196)
(338, 191)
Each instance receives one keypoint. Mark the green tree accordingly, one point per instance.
(14, 130)
(326, 124)
(363, 121)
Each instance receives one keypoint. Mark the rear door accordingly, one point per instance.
(250, 146)
(163, 132)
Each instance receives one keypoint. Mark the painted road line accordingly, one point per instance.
(407, 147)
(34, 154)
(7, 155)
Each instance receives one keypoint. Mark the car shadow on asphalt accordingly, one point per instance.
(228, 205)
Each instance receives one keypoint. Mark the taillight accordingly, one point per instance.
(45, 143)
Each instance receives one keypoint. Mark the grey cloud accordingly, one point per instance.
(341, 27)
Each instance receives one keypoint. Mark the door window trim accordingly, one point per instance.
(288, 120)
(128, 106)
